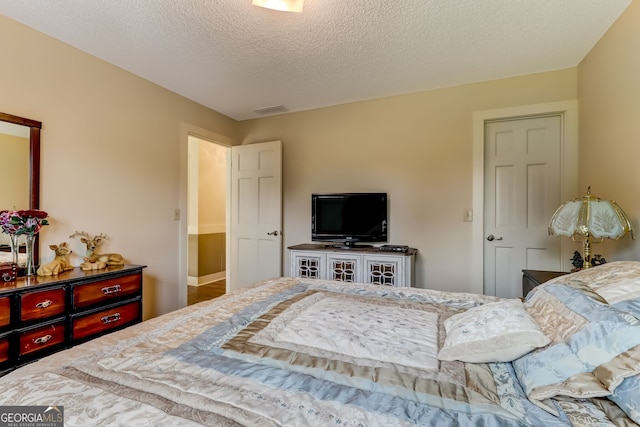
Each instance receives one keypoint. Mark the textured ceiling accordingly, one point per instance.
(234, 57)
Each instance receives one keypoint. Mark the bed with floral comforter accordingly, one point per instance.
(300, 352)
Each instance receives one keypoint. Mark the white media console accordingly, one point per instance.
(359, 264)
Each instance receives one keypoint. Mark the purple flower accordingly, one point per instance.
(22, 222)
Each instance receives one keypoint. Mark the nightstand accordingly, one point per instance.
(533, 278)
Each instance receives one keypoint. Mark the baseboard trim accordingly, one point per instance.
(203, 280)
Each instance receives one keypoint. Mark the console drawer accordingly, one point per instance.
(37, 339)
(42, 304)
(4, 349)
(105, 320)
(41, 315)
(102, 292)
(5, 311)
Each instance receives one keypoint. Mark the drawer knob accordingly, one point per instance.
(110, 318)
(108, 290)
(44, 304)
(42, 340)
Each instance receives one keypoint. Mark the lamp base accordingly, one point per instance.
(586, 249)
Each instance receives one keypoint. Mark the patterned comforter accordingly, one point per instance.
(292, 352)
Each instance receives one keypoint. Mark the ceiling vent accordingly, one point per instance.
(275, 109)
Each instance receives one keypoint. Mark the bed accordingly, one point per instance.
(300, 352)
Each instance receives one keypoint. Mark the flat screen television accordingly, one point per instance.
(349, 218)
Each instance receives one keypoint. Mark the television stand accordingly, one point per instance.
(347, 245)
(355, 263)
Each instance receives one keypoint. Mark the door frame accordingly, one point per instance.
(186, 130)
(568, 111)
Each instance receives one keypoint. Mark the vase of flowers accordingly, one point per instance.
(27, 223)
(30, 264)
(15, 247)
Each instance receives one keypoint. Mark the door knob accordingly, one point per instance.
(273, 233)
(491, 238)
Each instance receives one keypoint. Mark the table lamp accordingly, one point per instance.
(589, 219)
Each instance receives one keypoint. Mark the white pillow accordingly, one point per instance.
(495, 332)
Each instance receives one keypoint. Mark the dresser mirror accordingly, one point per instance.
(19, 169)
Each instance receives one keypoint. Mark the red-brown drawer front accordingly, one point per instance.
(41, 338)
(42, 304)
(106, 290)
(4, 349)
(5, 311)
(105, 320)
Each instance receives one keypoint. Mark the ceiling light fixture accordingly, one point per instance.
(283, 5)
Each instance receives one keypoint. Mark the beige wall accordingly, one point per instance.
(212, 176)
(212, 210)
(111, 144)
(14, 164)
(609, 98)
(110, 152)
(416, 147)
(207, 211)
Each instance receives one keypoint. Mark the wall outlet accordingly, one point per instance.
(176, 215)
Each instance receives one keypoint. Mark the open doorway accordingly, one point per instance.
(206, 219)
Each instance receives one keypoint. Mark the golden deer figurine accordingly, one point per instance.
(59, 264)
(92, 260)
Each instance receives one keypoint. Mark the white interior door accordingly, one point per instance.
(522, 190)
(255, 214)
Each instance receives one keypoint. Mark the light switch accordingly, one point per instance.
(468, 215)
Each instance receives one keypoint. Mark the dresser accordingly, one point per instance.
(364, 265)
(42, 315)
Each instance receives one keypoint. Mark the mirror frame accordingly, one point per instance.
(34, 165)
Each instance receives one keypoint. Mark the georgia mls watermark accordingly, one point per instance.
(31, 416)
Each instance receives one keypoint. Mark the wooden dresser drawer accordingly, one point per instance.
(41, 315)
(40, 338)
(104, 320)
(42, 304)
(102, 292)
(4, 349)
(5, 311)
